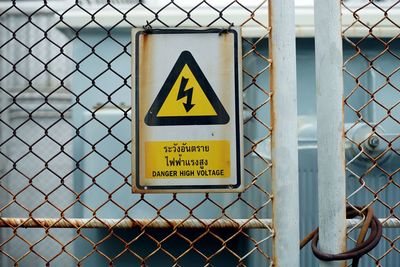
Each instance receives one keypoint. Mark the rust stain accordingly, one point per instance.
(145, 73)
(343, 160)
(273, 116)
(343, 107)
(225, 60)
(272, 76)
(145, 76)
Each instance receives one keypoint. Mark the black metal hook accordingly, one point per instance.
(223, 31)
(147, 28)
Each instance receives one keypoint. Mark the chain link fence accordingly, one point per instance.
(371, 72)
(65, 137)
(65, 145)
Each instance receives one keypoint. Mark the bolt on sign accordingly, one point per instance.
(187, 110)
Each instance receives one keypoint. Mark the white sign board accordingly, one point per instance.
(187, 110)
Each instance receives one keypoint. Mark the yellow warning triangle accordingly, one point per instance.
(186, 98)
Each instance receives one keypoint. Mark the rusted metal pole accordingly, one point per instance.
(134, 223)
(331, 155)
(159, 223)
(282, 47)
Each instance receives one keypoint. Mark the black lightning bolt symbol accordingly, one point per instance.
(186, 93)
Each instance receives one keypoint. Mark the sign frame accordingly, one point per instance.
(137, 185)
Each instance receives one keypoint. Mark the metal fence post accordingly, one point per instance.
(331, 155)
(284, 137)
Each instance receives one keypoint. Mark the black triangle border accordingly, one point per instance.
(222, 116)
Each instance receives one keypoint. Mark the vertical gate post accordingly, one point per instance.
(331, 155)
(284, 138)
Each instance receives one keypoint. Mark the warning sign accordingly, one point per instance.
(187, 126)
(186, 159)
(186, 98)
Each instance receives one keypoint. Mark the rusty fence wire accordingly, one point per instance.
(65, 145)
(372, 113)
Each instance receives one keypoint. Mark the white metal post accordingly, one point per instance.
(282, 45)
(331, 155)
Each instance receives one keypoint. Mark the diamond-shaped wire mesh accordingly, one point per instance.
(372, 85)
(65, 142)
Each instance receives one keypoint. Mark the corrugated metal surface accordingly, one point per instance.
(26, 182)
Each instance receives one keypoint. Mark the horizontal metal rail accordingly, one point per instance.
(162, 224)
(135, 223)
(386, 223)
